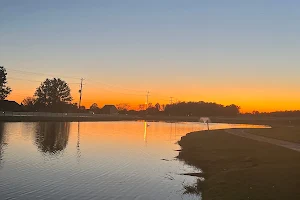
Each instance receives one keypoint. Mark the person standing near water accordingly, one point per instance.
(207, 125)
(205, 120)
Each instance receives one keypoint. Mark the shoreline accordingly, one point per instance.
(60, 117)
(240, 168)
(94, 118)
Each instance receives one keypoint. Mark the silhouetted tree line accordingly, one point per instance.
(201, 109)
(292, 113)
(54, 95)
(184, 109)
(143, 109)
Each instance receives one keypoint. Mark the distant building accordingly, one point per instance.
(109, 109)
(6, 105)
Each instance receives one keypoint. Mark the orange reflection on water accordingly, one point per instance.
(103, 158)
(145, 132)
(120, 133)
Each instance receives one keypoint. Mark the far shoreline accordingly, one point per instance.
(271, 121)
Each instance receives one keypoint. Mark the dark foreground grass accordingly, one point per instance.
(239, 168)
(287, 133)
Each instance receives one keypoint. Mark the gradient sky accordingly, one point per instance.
(241, 52)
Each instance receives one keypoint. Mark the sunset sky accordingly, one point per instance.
(229, 52)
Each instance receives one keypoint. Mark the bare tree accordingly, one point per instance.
(123, 106)
(29, 103)
(94, 106)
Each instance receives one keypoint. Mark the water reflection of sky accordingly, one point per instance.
(94, 160)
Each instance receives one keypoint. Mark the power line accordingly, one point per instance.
(38, 73)
(171, 100)
(22, 71)
(116, 86)
(115, 91)
(21, 79)
(156, 94)
(106, 86)
(72, 77)
(75, 84)
(147, 99)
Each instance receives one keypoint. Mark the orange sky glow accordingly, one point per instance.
(228, 53)
(249, 99)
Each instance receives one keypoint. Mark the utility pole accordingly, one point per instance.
(147, 99)
(80, 91)
(171, 100)
(78, 142)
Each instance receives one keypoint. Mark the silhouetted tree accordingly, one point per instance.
(82, 108)
(4, 90)
(123, 106)
(232, 110)
(153, 110)
(254, 112)
(94, 107)
(157, 106)
(149, 105)
(53, 94)
(141, 106)
(71, 107)
(29, 103)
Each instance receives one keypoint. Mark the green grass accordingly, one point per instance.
(238, 168)
(287, 133)
(263, 120)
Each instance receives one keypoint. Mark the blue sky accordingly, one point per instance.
(150, 44)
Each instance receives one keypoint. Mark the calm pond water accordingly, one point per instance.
(94, 160)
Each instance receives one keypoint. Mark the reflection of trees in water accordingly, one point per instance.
(2, 141)
(52, 137)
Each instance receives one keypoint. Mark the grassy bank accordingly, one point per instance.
(286, 133)
(239, 168)
(259, 120)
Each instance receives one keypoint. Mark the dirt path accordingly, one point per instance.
(243, 133)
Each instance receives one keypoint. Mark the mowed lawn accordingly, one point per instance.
(239, 168)
(286, 133)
